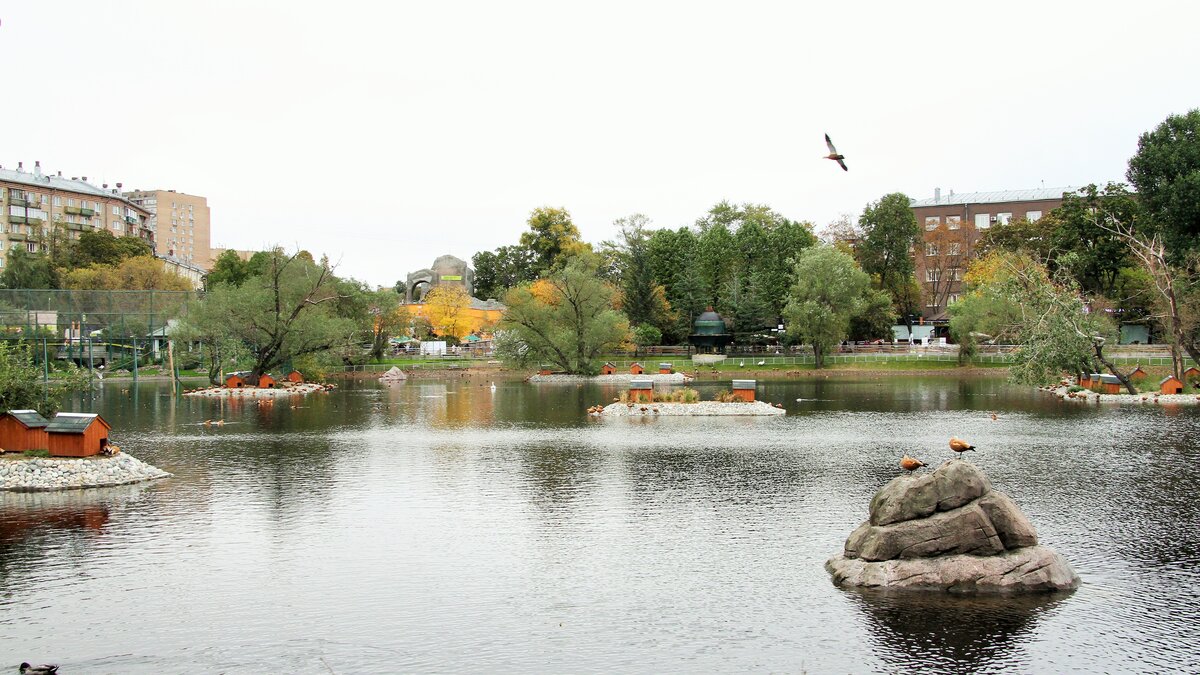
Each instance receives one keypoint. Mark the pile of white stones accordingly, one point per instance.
(618, 378)
(702, 409)
(21, 473)
(255, 392)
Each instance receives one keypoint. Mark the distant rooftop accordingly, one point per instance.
(995, 196)
(37, 179)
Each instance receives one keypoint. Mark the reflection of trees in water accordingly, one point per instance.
(944, 633)
(730, 476)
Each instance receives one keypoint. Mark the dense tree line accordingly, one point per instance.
(96, 260)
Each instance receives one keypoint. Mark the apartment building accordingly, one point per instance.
(38, 207)
(952, 225)
(181, 225)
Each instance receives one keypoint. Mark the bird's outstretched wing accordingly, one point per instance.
(843, 165)
(829, 144)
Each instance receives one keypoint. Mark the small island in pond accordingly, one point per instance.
(245, 385)
(640, 400)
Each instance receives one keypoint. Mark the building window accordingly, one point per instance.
(116, 210)
(933, 275)
(1003, 218)
(931, 222)
(953, 222)
(931, 248)
(57, 200)
(955, 248)
(1033, 216)
(982, 221)
(956, 274)
(953, 299)
(31, 246)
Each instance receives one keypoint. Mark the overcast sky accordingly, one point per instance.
(386, 134)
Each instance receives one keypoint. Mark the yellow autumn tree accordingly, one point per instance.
(140, 273)
(445, 307)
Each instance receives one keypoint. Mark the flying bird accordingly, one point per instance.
(910, 463)
(959, 445)
(834, 155)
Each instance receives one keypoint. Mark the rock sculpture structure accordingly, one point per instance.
(948, 530)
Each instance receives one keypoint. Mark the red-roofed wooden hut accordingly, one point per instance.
(608, 369)
(234, 381)
(295, 377)
(22, 430)
(1170, 385)
(637, 369)
(265, 381)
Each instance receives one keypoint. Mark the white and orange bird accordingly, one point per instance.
(959, 445)
(834, 154)
(911, 463)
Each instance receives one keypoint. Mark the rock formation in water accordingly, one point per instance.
(948, 530)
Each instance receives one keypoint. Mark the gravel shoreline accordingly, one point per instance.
(1148, 398)
(34, 475)
(702, 409)
(255, 392)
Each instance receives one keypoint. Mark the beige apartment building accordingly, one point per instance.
(952, 225)
(181, 225)
(38, 207)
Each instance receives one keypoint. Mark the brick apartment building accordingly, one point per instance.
(181, 223)
(38, 207)
(952, 225)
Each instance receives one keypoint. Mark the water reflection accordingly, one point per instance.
(939, 633)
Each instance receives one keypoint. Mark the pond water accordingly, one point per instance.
(437, 525)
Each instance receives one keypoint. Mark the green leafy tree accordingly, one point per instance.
(646, 335)
(643, 299)
(1166, 172)
(830, 290)
(23, 269)
(552, 238)
(21, 386)
(889, 233)
(567, 318)
(101, 247)
(387, 318)
(229, 268)
(498, 271)
(673, 262)
(287, 311)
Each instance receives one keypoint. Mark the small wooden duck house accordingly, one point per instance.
(1191, 374)
(77, 435)
(265, 381)
(664, 368)
(1094, 381)
(1137, 375)
(22, 430)
(608, 369)
(295, 377)
(641, 390)
(543, 369)
(743, 390)
(637, 369)
(1170, 385)
(1085, 380)
(235, 381)
(1109, 384)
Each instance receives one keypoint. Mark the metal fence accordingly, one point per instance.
(78, 314)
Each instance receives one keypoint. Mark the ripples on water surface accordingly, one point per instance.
(434, 525)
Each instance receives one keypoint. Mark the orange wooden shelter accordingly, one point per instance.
(608, 369)
(641, 390)
(295, 377)
(637, 369)
(743, 390)
(234, 381)
(265, 381)
(22, 430)
(77, 435)
(1170, 385)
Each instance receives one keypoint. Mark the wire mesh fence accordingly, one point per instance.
(71, 314)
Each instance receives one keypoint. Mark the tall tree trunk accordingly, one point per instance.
(1099, 347)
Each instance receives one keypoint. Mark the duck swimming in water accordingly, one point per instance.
(43, 669)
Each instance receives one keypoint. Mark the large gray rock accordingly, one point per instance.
(966, 529)
(1013, 528)
(954, 483)
(1034, 569)
(948, 530)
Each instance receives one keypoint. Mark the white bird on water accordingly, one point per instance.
(493, 387)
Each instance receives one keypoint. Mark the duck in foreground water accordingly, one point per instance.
(42, 669)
